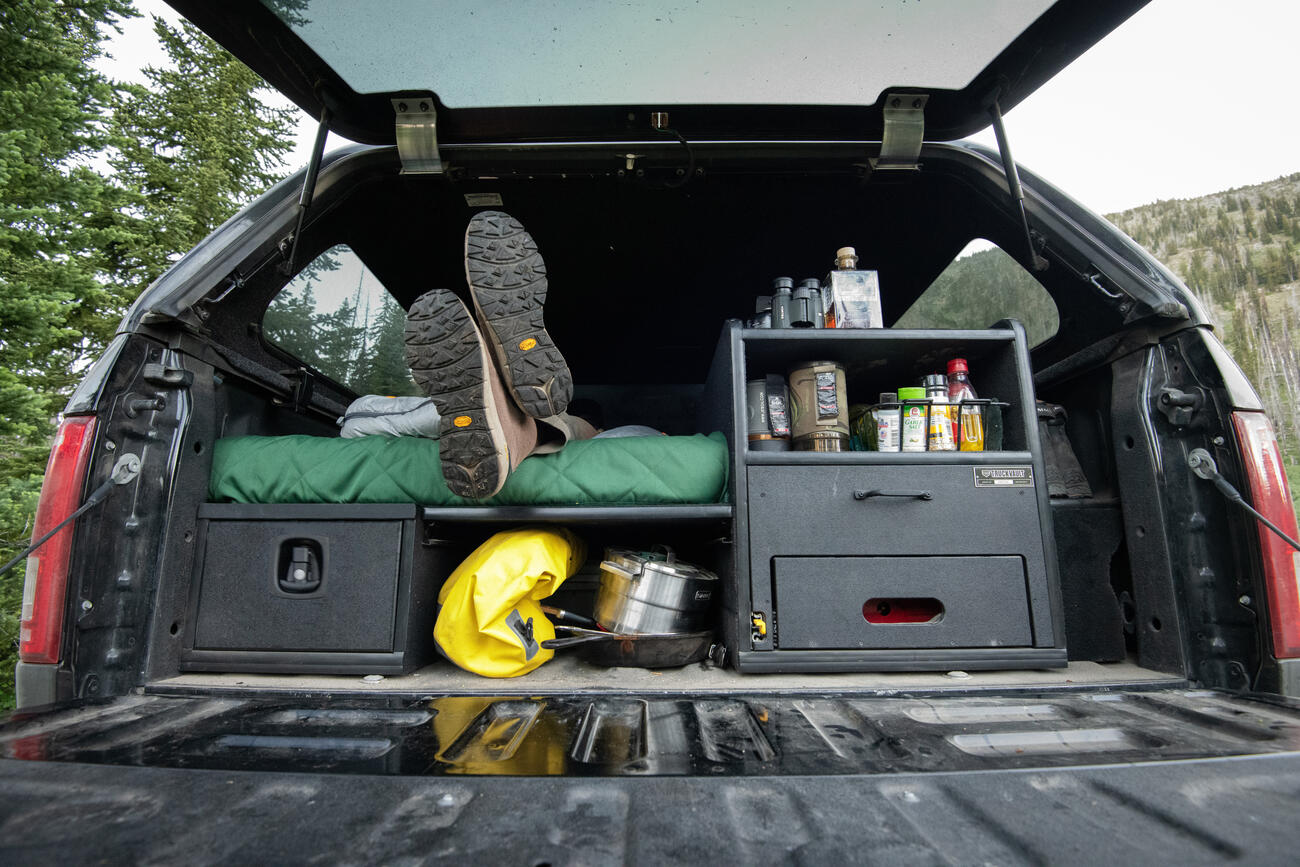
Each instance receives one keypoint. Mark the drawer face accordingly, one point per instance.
(823, 602)
(796, 511)
(242, 607)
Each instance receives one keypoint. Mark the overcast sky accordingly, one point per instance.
(1188, 97)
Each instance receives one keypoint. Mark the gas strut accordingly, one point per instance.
(1203, 465)
(1037, 262)
(308, 188)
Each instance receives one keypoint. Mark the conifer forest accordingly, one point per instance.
(1239, 253)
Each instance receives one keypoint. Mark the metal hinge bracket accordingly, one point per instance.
(417, 136)
(900, 145)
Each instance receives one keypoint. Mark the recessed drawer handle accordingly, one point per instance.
(910, 495)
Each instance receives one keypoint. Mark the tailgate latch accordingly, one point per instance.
(1180, 406)
(417, 135)
(900, 145)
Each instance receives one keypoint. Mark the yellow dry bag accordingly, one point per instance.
(489, 619)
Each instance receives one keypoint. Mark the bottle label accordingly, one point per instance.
(888, 425)
(972, 429)
(942, 436)
(913, 428)
(828, 404)
(778, 418)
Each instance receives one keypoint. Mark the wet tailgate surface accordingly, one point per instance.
(628, 736)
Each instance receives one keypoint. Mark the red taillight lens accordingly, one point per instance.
(1270, 495)
(45, 591)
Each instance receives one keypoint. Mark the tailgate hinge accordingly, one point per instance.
(417, 136)
(900, 146)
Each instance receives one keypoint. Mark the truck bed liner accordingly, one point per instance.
(1178, 813)
(834, 779)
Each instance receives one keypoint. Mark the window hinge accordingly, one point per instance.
(900, 146)
(417, 135)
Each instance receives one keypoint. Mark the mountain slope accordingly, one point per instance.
(1238, 251)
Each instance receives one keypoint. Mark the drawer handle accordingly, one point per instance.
(910, 495)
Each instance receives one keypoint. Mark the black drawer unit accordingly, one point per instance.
(312, 589)
(902, 602)
(870, 561)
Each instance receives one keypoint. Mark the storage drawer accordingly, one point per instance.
(867, 524)
(797, 510)
(901, 602)
(310, 589)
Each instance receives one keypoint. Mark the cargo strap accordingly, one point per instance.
(124, 472)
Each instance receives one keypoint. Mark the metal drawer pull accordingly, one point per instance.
(911, 495)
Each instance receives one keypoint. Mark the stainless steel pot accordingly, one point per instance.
(642, 592)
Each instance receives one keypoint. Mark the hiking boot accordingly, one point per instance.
(482, 434)
(507, 280)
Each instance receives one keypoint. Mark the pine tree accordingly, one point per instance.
(385, 370)
(77, 246)
(53, 304)
(192, 146)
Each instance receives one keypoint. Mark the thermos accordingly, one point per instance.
(766, 416)
(819, 408)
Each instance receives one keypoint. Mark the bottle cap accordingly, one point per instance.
(936, 380)
(911, 393)
(888, 397)
(957, 365)
(783, 283)
(845, 258)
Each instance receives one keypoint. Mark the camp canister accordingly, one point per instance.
(819, 407)
(762, 434)
(653, 592)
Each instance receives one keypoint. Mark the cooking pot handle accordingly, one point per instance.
(575, 640)
(670, 556)
(610, 566)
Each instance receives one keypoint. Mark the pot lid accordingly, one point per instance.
(662, 561)
(501, 70)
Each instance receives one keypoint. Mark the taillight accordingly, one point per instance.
(1271, 496)
(45, 591)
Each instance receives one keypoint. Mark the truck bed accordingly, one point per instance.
(1069, 776)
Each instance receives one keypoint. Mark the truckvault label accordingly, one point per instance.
(1004, 477)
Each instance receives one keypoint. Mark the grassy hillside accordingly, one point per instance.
(1239, 253)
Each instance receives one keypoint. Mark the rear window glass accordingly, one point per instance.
(479, 53)
(981, 286)
(337, 318)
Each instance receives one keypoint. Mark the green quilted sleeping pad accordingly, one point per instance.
(618, 471)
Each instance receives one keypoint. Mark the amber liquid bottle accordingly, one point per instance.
(970, 431)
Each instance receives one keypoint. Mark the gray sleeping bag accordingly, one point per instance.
(380, 415)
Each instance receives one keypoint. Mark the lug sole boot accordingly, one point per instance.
(482, 434)
(507, 280)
